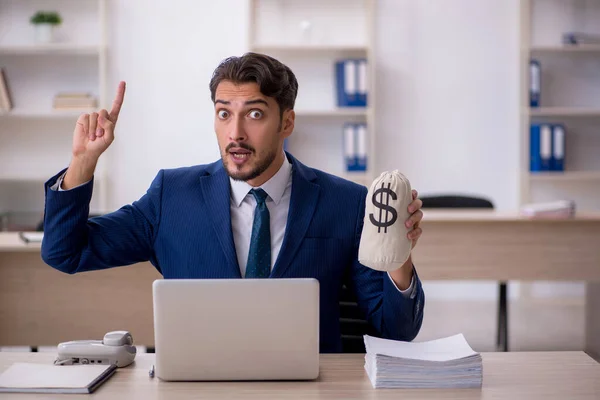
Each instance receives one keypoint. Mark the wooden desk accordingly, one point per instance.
(488, 245)
(41, 306)
(546, 376)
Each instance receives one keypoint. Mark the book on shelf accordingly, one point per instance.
(73, 100)
(5, 97)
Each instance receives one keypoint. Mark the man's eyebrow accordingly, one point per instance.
(257, 101)
(249, 102)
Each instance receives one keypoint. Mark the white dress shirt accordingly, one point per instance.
(242, 205)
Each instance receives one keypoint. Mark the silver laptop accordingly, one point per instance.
(236, 329)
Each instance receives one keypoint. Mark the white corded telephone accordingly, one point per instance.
(116, 348)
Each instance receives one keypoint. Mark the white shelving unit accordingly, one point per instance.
(35, 139)
(584, 48)
(335, 113)
(564, 112)
(24, 113)
(308, 48)
(570, 95)
(575, 176)
(51, 49)
(310, 36)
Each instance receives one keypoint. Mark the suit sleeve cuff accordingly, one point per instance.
(82, 193)
(407, 312)
(409, 293)
(57, 186)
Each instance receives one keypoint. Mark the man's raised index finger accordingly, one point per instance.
(116, 106)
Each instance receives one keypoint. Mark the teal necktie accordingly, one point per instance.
(259, 256)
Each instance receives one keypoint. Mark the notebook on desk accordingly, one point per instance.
(49, 378)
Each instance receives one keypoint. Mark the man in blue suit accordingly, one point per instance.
(256, 213)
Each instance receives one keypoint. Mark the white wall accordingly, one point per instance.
(166, 51)
(448, 104)
(447, 96)
(448, 74)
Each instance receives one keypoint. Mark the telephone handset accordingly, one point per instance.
(116, 348)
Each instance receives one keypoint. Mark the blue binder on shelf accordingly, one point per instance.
(355, 146)
(362, 82)
(349, 147)
(535, 83)
(558, 148)
(540, 147)
(361, 146)
(351, 82)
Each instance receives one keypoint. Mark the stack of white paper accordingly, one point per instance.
(441, 363)
(552, 209)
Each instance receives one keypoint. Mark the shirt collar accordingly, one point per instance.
(274, 186)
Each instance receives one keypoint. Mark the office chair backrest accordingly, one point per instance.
(455, 201)
(353, 324)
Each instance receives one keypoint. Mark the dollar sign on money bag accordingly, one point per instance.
(383, 221)
(384, 244)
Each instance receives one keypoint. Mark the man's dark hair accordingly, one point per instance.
(273, 77)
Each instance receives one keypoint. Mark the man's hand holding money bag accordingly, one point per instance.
(391, 227)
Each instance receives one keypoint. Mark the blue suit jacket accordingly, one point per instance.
(182, 225)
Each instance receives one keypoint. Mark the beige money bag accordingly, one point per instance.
(384, 245)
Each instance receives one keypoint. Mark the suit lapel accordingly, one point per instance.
(216, 192)
(303, 202)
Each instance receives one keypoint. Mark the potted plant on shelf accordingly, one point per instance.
(44, 22)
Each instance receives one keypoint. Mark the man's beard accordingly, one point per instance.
(264, 160)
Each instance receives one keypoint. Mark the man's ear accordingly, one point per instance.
(287, 123)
